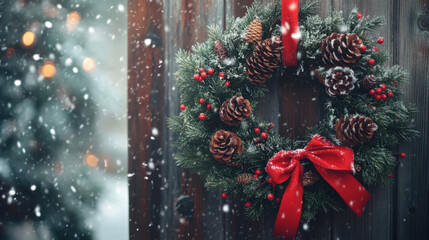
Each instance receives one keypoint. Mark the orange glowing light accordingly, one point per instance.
(88, 64)
(91, 160)
(73, 20)
(28, 38)
(48, 70)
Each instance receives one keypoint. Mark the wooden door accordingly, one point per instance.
(157, 29)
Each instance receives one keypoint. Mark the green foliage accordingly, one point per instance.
(375, 157)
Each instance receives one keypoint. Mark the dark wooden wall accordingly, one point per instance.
(157, 29)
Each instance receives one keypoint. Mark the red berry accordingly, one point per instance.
(371, 61)
(203, 75)
(264, 135)
(383, 87)
(395, 84)
(196, 76)
(255, 176)
(202, 100)
(359, 16)
(402, 155)
(248, 204)
(200, 79)
(363, 48)
(274, 185)
(391, 175)
(257, 130)
(210, 71)
(258, 172)
(270, 180)
(378, 97)
(380, 40)
(201, 69)
(222, 75)
(270, 196)
(372, 92)
(182, 107)
(224, 196)
(277, 199)
(383, 96)
(375, 49)
(209, 106)
(390, 94)
(227, 83)
(378, 90)
(202, 116)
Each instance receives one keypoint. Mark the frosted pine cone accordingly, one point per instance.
(368, 81)
(339, 81)
(235, 110)
(355, 130)
(341, 49)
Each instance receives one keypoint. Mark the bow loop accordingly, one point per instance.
(281, 166)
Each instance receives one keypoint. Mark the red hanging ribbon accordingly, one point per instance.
(334, 163)
(290, 31)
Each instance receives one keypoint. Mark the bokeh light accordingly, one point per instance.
(48, 70)
(88, 64)
(28, 38)
(10, 52)
(73, 20)
(91, 160)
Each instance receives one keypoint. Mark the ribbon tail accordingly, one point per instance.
(289, 214)
(352, 192)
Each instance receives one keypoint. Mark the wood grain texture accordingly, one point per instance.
(145, 101)
(186, 24)
(396, 212)
(412, 179)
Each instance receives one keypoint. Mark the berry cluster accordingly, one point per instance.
(263, 135)
(381, 93)
(200, 77)
(203, 74)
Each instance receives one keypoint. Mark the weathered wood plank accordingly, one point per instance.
(146, 96)
(186, 23)
(411, 220)
(376, 222)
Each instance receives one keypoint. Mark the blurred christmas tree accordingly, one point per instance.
(46, 120)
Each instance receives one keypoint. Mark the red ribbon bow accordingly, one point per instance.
(334, 163)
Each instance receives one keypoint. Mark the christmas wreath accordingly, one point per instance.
(355, 141)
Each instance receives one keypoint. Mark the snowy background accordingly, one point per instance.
(63, 124)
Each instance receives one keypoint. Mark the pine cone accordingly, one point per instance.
(254, 32)
(339, 81)
(219, 50)
(265, 60)
(309, 178)
(341, 49)
(224, 145)
(235, 110)
(354, 130)
(244, 178)
(368, 81)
